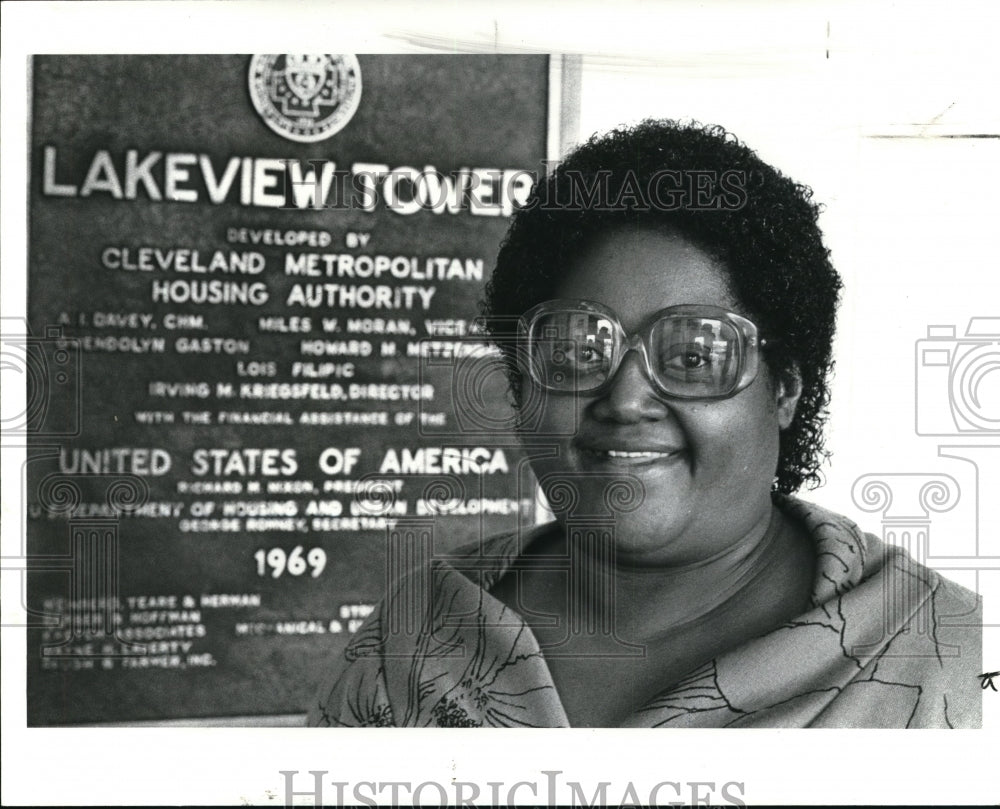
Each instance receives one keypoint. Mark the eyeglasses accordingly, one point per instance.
(689, 351)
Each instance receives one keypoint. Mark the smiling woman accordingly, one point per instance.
(670, 367)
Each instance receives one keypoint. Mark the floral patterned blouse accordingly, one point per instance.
(885, 643)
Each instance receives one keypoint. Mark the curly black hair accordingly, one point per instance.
(703, 183)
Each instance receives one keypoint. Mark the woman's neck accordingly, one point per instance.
(646, 599)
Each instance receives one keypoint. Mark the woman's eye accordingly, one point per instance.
(573, 354)
(576, 354)
(693, 359)
(588, 354)
(688, 358)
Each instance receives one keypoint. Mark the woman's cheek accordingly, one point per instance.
(549, 419)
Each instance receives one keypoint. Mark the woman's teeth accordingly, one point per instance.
(615, 453)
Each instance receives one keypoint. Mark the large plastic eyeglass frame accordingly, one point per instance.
(749, 343)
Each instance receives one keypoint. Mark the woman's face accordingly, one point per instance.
(707, 465)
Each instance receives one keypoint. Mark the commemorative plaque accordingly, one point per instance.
(253, 290)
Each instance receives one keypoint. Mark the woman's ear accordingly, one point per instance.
(786, 394)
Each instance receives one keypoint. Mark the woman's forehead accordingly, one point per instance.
(638, 271)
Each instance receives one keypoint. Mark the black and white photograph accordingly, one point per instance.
(593, 375)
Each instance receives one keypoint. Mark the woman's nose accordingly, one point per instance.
(630, 396)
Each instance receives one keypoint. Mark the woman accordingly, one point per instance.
(676, 309)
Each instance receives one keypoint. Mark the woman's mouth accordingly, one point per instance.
(623, 457)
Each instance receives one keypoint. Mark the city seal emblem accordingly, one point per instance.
(305, 97)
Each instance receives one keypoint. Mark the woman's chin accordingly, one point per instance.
(633, 536)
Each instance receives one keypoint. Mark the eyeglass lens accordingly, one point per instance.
(689, 355)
